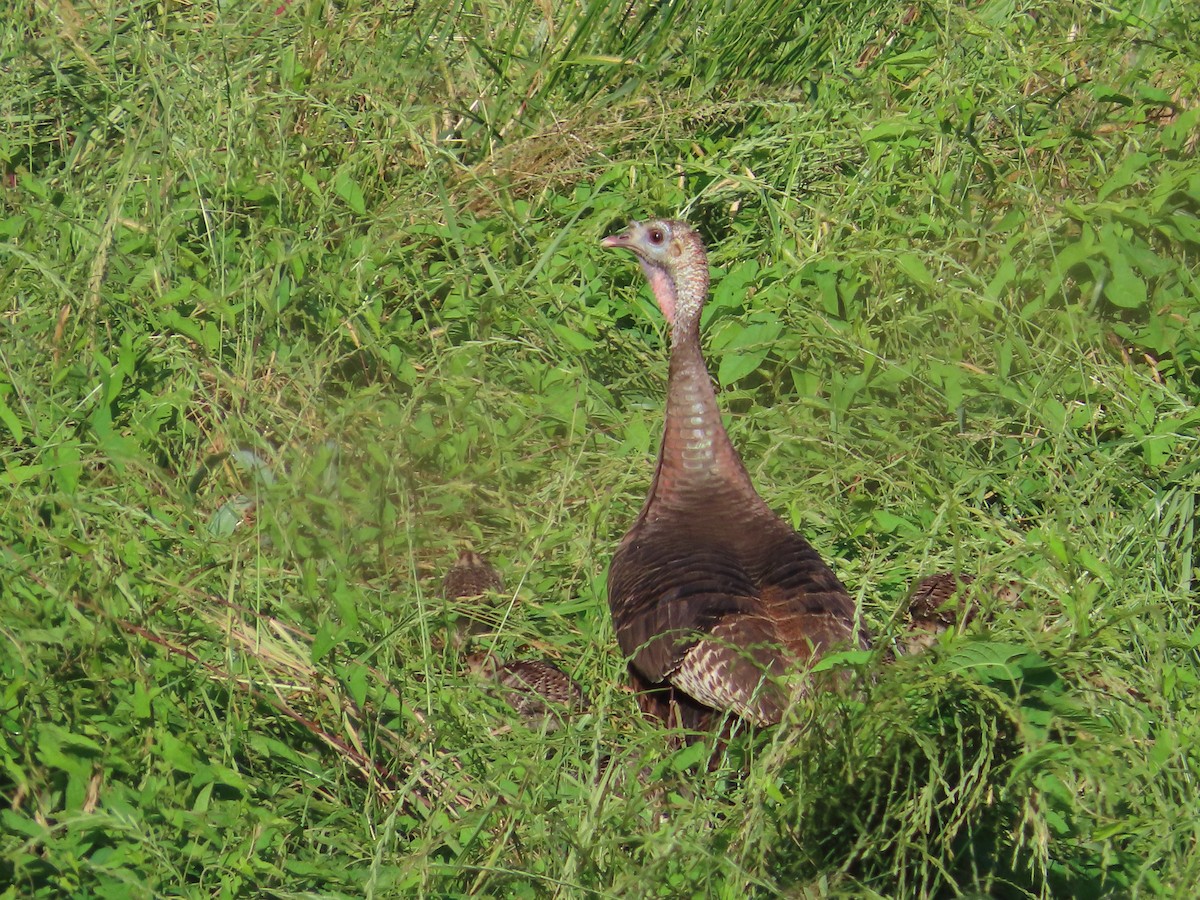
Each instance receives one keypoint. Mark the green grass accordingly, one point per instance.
(956, 324)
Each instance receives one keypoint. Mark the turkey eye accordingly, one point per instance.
(656, 236)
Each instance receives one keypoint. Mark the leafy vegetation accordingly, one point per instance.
(299, 299)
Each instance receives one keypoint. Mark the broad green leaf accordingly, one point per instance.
(893, 129)
(11, 422)
(842, 658)
(743, 348)
(738, 364)
(991, 660)
(1124, 288)
(14, 475)
(1005, 273)
(572, 338)
(889, 523)
(912, 266)
(690, 756)
(323, 641)
(347, 188)
(1130, 170)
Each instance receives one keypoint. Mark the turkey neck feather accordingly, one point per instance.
(697, 463)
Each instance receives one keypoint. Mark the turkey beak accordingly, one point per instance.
(619, 240)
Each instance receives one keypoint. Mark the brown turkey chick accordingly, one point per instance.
(943, 601)
(469, 588)
(541, 692)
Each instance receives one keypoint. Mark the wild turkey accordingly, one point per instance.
(943, 601)
(466, 587)
(710, 590)
(540, 691)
